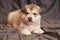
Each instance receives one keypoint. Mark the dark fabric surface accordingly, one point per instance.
(50, 20)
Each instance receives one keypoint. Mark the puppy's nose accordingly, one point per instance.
(30, 19)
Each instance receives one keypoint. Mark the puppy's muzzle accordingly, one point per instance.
(30, 19)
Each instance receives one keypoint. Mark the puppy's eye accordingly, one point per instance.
(27, 13)
(34, 13)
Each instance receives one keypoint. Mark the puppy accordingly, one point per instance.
(26, 20)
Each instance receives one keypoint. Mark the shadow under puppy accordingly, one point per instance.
(26, 20)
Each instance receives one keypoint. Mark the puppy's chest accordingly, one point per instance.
(30, 27)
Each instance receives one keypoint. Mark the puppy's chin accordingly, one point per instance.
(29, 23)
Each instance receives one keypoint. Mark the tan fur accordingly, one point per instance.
(32, 6)
(18, 20)
(13, 19)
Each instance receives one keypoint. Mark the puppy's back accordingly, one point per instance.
(13, 18)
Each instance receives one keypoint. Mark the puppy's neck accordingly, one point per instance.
(28, 23)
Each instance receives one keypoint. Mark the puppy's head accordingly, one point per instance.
(31, 12)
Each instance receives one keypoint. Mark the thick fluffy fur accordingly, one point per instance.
(26, 20)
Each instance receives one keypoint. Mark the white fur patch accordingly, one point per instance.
(35, 27)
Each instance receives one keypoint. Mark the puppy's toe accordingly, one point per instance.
(26, 32)
(40, 31)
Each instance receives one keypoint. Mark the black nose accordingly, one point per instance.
(30, 19)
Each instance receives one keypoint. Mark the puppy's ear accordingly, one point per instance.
(39, 9)
(23, 10)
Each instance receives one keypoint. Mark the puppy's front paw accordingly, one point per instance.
(26, 32)
(38, 31)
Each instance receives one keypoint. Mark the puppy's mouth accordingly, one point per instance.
(29, 20)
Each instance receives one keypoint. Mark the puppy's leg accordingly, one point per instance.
(38, 31)
(25, 32)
